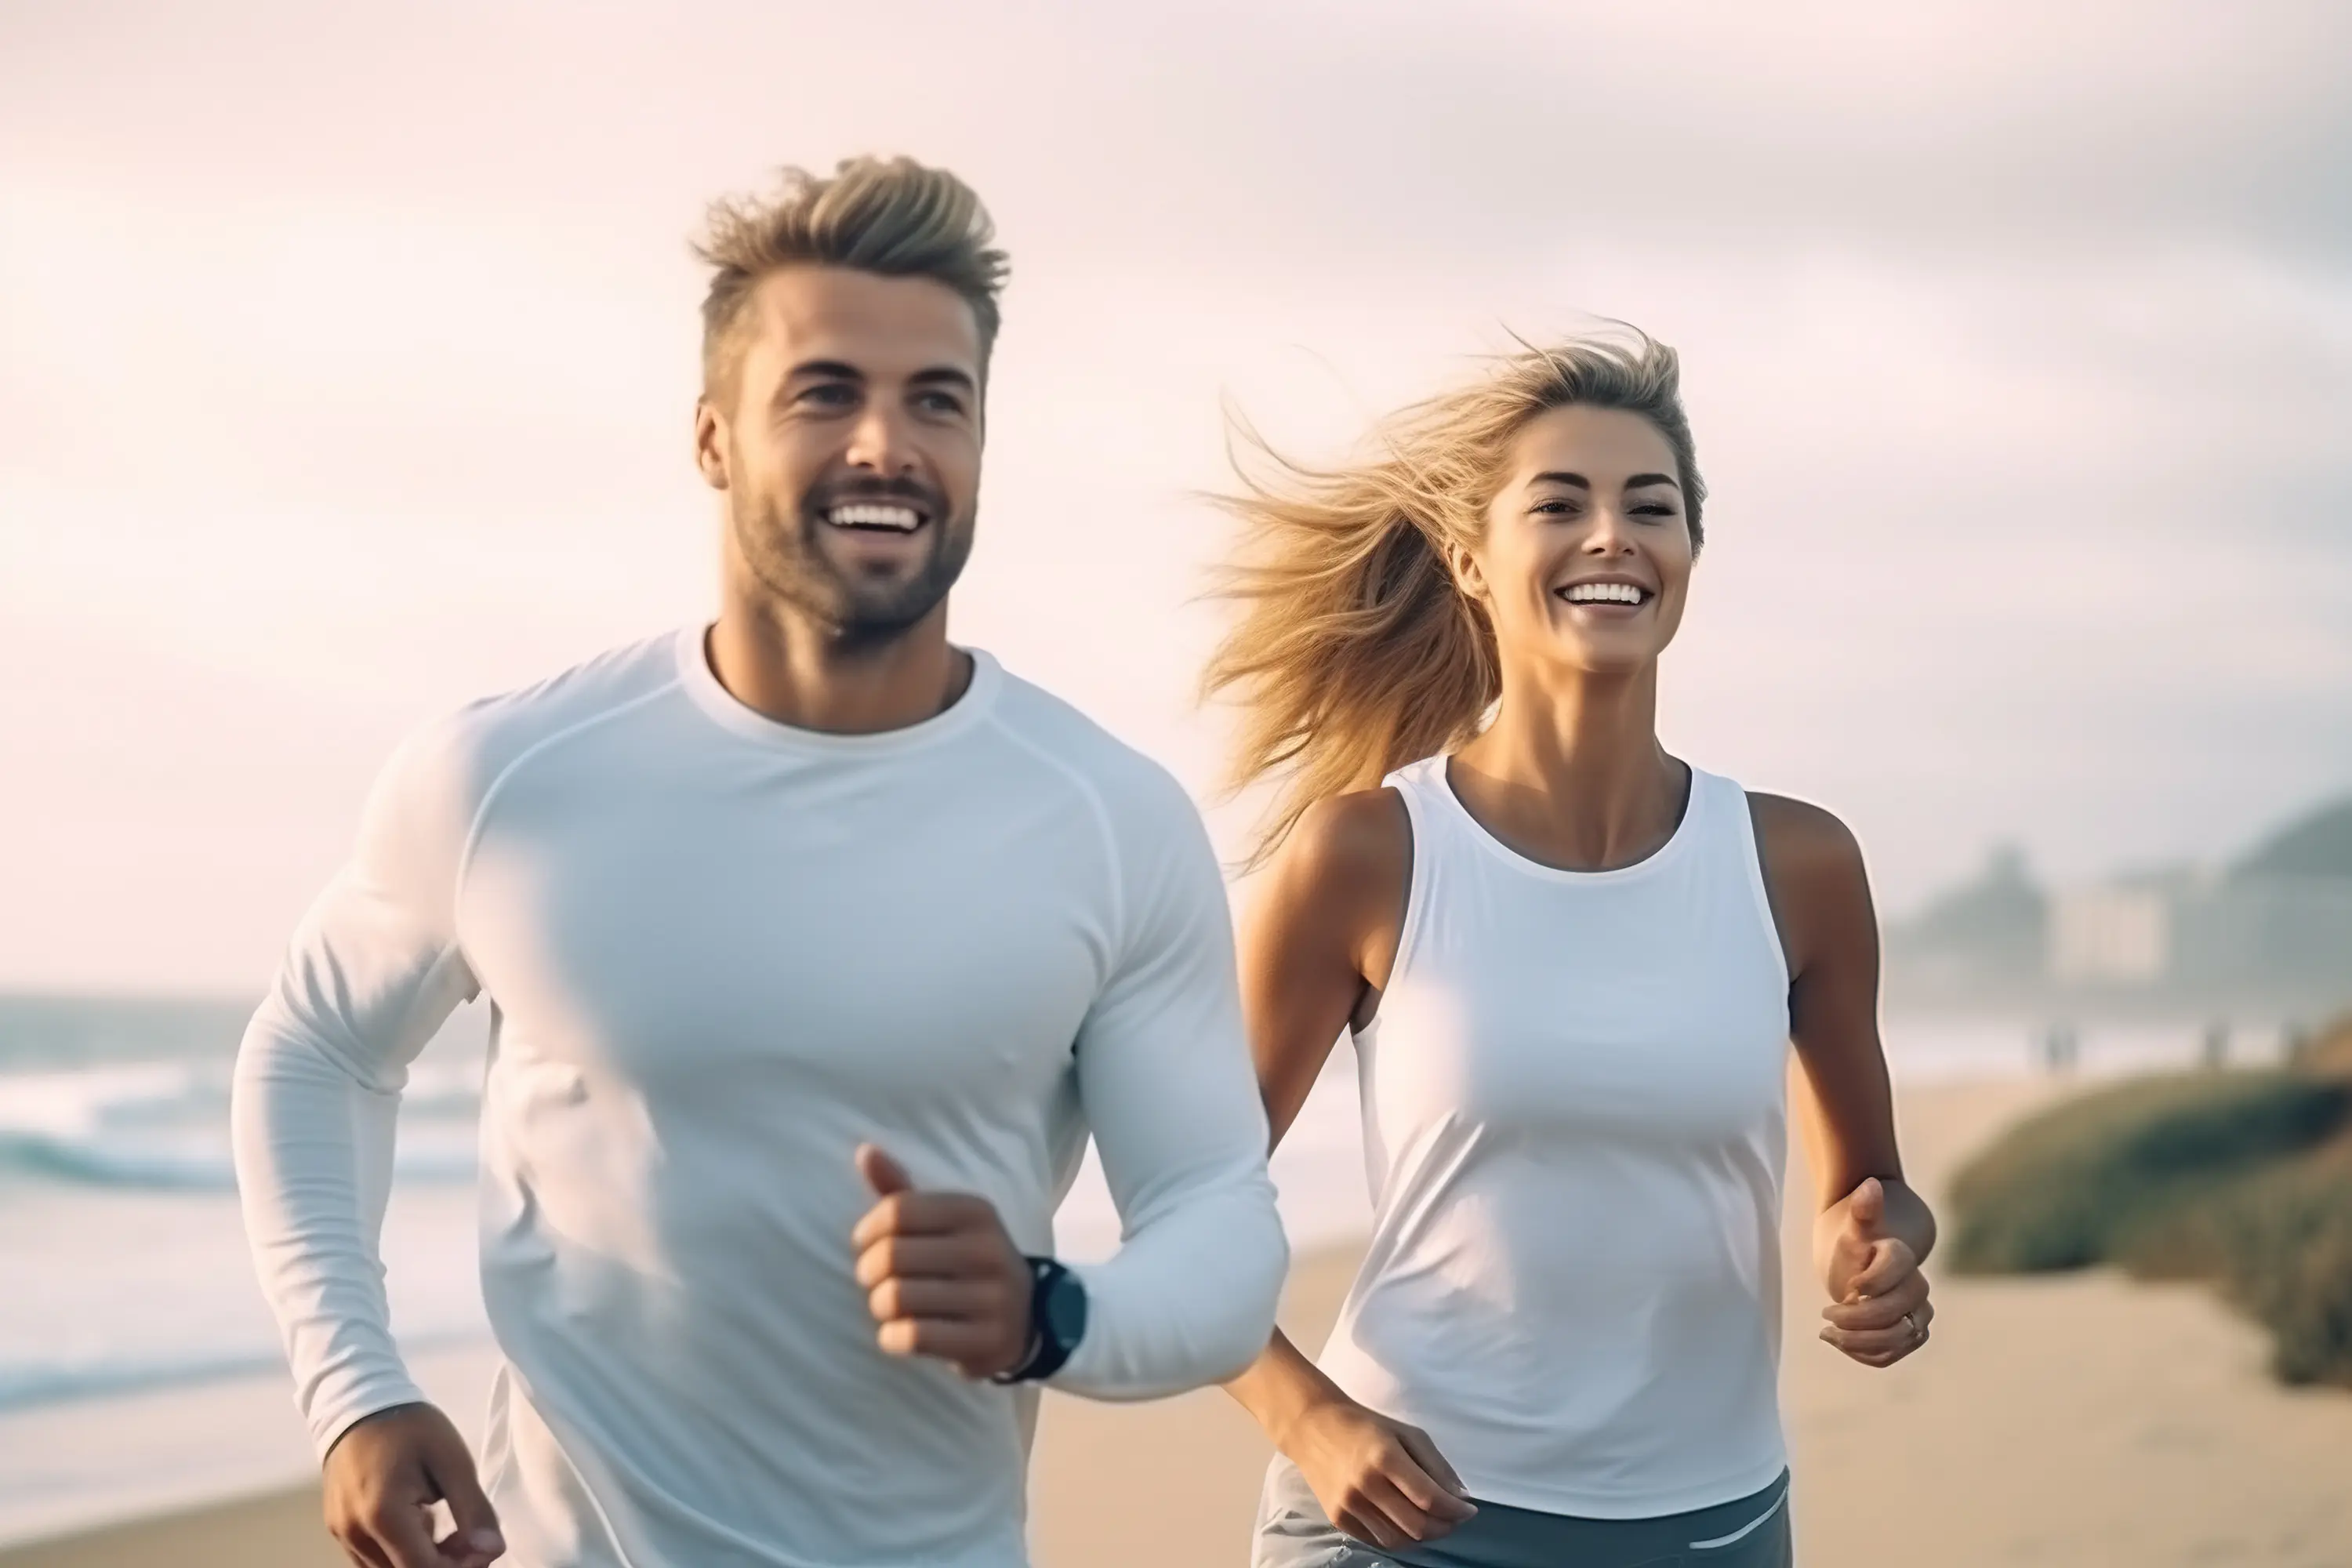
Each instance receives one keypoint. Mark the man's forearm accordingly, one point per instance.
(1188, 1300)
(314, 1151)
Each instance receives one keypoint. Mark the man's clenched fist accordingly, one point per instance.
(942, 1277)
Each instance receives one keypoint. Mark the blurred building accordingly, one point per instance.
(2116, 934)
(2270, 931)
(1990, 932)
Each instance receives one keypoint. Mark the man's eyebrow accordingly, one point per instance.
(829, 369)
(938, 376)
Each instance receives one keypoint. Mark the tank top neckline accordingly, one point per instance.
(1435, 780)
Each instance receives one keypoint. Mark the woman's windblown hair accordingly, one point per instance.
(1357, 650)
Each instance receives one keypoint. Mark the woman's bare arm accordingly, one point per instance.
(1331, 907)
(1872, 1231)
(1316, 949)
(1317, 942)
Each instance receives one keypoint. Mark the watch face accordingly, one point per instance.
(1066, 1309)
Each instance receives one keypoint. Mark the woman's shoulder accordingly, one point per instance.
(1814, 875)
(1337, 884)
(1801, 838)
(1347, 858)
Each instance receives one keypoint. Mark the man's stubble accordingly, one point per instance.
(783, 551)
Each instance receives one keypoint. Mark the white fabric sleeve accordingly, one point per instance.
(1165, 1080)
(372, 971)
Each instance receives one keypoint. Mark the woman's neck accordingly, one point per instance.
(1570, 773)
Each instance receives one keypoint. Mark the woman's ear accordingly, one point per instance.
(1467, 576)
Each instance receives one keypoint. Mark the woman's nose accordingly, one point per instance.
(1608, 535)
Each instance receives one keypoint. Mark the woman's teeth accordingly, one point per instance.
(1603, 594)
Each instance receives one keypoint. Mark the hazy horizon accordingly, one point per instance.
(348, 369)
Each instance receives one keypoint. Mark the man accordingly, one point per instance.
(815, 946)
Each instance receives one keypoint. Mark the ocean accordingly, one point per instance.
(122, 1264)
(122, 1259)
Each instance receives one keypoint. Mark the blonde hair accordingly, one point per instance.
(1357, 650)
(888, 216)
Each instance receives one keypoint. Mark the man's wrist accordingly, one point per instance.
(1058, 1320)
(376, 1414)
(1030, 1348)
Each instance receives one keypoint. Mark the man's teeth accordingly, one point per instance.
(867, 514)
(1603, 594)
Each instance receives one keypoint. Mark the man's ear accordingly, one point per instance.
(709, 443)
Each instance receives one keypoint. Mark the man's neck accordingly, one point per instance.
(777, 664)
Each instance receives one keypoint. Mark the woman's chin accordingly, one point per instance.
(1609, 659)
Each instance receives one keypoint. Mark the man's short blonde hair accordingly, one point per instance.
(888, 216)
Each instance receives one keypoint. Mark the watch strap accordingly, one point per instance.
(1046, 1352)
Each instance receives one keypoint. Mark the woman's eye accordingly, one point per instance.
(1653, 510)
(1554, 507)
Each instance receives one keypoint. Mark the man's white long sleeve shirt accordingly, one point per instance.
(721, 952)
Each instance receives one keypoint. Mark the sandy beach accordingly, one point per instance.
(2082, 1421)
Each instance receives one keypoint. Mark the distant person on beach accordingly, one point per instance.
(1572, 965)
(816, 945)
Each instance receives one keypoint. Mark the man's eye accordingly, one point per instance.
(833, 393)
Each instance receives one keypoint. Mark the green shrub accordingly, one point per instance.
(2229, 1176)
(2076, 1185)
(2281, 1244)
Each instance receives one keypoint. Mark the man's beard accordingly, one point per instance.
(785, 553)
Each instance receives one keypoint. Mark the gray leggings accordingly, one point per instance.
(1752, 1532)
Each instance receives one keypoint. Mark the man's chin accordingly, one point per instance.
(864, 595)
(870, 617)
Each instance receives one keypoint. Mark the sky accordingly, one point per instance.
(347, 367)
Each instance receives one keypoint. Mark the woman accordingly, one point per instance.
(1572, 965)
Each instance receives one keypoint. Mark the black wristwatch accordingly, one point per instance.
(1057, 1321)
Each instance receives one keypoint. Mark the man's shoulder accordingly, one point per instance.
(1058, 730)
(460, 754)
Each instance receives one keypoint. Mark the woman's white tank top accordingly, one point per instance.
(1575, 1126)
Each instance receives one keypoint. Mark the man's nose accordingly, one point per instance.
(878, 443)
